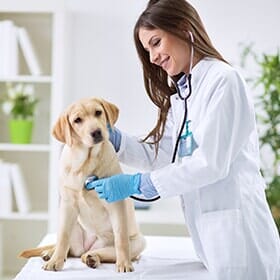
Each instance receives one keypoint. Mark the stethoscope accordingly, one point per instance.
(185, 99)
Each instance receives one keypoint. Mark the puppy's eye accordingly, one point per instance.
(78, 120)
(98, 113)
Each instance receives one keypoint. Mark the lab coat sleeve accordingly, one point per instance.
(220, 135)
(137, 154)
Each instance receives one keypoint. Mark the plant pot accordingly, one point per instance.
(20, 131)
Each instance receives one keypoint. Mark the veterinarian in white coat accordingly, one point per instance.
(216, 173)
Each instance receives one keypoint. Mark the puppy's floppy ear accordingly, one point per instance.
(62, 130)
(111, 110)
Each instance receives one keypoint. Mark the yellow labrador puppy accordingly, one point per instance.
(89, 227)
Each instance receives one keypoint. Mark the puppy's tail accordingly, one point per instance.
(36, 252)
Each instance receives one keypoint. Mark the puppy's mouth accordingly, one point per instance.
(96, 136)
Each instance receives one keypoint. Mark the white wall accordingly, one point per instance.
(103, 61)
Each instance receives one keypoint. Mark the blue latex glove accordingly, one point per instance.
(115, 137)
(117, 187)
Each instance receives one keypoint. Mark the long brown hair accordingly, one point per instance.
(175, 17)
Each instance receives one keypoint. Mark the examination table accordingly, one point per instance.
(164, 258)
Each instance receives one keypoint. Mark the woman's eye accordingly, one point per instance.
(98, 113)
(78, 120)
(156, 43)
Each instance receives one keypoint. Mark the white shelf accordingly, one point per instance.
(45, 22)
(32, 216)
(24, 147)
(27, 79)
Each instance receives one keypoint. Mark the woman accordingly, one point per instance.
(206, 128)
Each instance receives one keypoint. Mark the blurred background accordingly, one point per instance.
(89, 51)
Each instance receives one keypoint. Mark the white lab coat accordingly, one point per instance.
(221, 189)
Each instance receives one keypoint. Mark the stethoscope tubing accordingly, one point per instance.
(185, 99)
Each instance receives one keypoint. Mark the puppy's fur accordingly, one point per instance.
(89, 227)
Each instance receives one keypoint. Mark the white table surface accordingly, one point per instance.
(164, 258)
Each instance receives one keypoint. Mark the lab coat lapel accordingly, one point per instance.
(177, 106)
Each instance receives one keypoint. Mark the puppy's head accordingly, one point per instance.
(85, 122)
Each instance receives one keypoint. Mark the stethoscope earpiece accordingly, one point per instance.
(191, 36)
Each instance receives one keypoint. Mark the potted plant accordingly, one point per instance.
(19, 103)
(267, 82)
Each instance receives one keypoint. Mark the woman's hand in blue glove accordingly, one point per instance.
(117, 187)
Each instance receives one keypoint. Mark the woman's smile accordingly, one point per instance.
(164, 64)
(166, 50)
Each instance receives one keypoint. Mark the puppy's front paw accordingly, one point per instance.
(54, 264)
(47, 254)
(124, 266)
(91, 260)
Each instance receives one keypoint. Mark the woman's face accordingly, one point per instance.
(166, 50)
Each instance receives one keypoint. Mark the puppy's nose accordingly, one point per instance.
(96, 135)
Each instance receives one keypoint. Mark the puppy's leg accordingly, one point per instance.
(68, 217)
(76, 248)
(119, 222)
(94, 257)
(45, 252)
(79, 241)
(137, 245)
